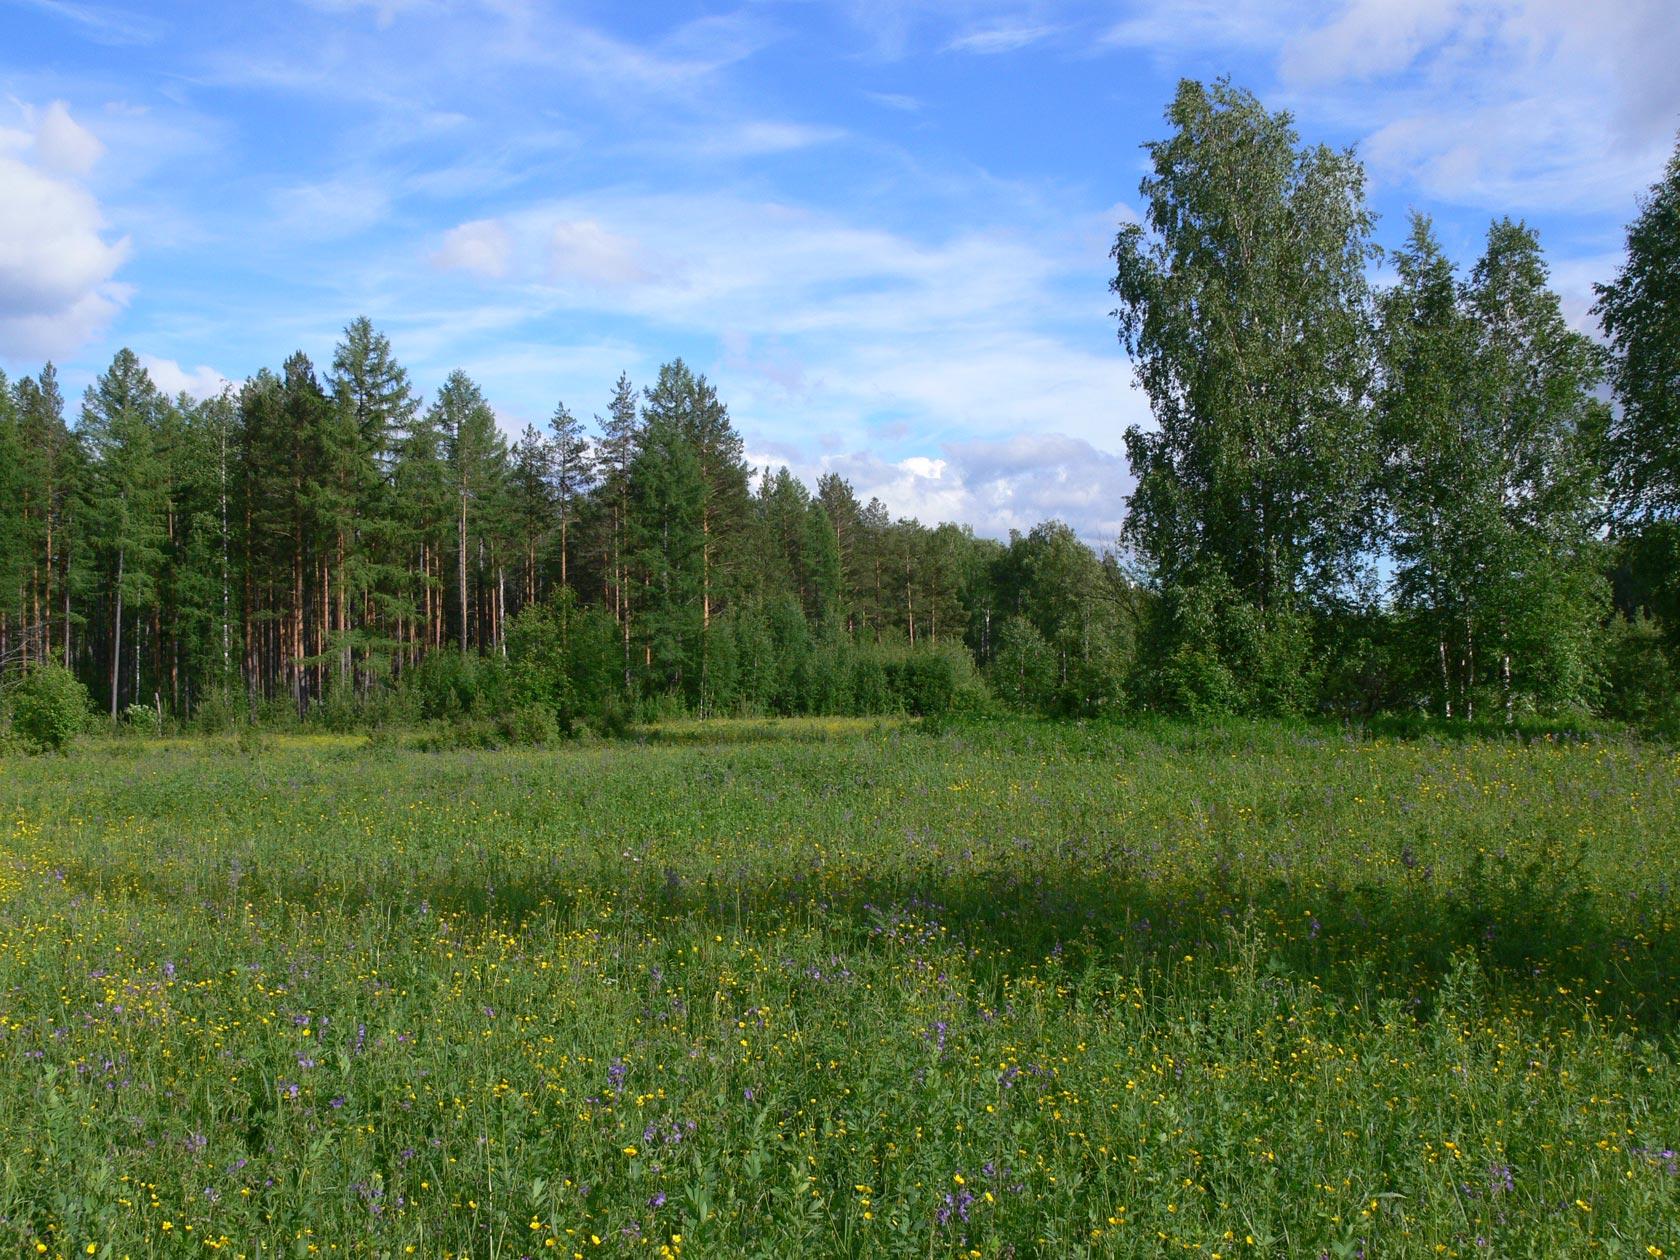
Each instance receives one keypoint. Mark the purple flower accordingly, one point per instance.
(658, 1199)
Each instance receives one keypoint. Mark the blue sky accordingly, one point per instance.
(880, 226)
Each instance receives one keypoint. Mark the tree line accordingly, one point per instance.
(1428, 496)
(315, 543)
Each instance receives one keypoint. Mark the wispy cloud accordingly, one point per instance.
(1533, 104)
(583, 250)
(331, 209)
(99, 23)
(895, 100)
(1002, 38)
(482, 247)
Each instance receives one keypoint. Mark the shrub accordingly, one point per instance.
(1640, 679)
(49, 708)
(531, 724)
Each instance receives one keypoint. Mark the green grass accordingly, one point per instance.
(843, 989)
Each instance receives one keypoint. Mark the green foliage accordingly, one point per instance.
(445, 686)
(1207, 653)
(531, 724)
(1490, 433)
(50, 707)
(1641, 682)
(1244, 306)
(1640, 314)
(1023, 668)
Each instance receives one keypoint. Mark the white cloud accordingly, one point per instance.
(103, 25)
(385, 12)
(1369, 38)
(813, 325)
(895, 100)
(331, 209)
(583, 250)
(172, 379)
(763, 138)
(993, 486)
(63, 146)
(1518, 106)
(481, 247)
(57, 268)
(999, 38)
(1168, 28)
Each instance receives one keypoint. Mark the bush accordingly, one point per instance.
(143, 719)
(49, 708)
(531, 724)
(1641, 683)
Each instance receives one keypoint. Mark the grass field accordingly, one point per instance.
(843, 989)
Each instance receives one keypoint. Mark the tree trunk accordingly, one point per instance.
(462, 571)
(116, 637)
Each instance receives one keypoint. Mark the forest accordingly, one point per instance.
(1377, 482)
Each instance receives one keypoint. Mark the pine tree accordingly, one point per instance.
(119, 424)
(476, 456)
(571, 470)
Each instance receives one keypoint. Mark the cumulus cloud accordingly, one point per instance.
(171, 378)
(482, 247)
(62, 145)
(996, 487)
(57, 267)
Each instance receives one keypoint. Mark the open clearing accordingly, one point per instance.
(843, 989)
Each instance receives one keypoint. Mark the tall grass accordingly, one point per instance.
(843, 989)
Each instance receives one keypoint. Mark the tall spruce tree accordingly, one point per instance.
(692, 405)
(620, 435)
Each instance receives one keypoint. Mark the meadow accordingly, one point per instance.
(843, 989)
